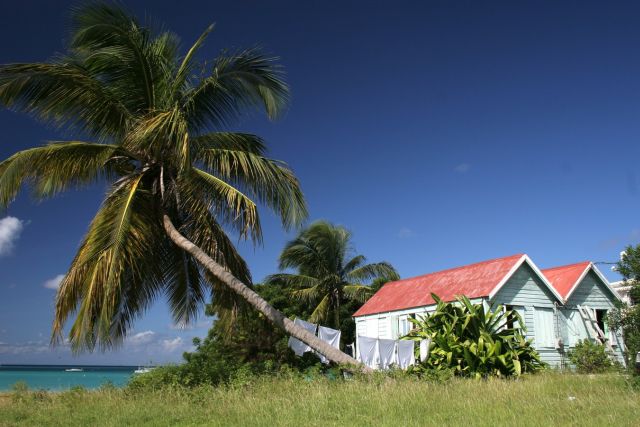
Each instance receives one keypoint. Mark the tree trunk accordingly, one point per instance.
(276, 317)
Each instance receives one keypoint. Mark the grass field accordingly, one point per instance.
(550, 399)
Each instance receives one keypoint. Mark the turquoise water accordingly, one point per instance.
(56, 378)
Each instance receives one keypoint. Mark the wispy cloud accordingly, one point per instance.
(138, 347)
(405, 233)
(141, 338)
(172, 345)
(462, 168)
(28, 347)
(155, 343)
(54, 283)
(201, 324)
(10, 229)
(620, 241)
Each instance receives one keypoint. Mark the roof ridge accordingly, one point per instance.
(458, 268)
(566, 266)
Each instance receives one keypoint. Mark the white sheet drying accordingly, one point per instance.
(368, 351)
(298, 347)
(406, 354)
(330, 336)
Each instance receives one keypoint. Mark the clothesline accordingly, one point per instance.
(376, 353)
(380, 353)
(328, 335)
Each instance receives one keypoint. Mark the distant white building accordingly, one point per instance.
(623, 290)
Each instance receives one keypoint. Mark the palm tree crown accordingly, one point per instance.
(328, 274)
(155, 119)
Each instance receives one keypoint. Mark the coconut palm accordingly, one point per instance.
(176, 180)
(327, 274)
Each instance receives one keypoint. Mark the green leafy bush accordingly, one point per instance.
(474, 342)
(589, 357)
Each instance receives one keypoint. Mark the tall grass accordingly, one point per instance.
(549, 399)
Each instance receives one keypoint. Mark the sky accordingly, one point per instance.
(439, 132)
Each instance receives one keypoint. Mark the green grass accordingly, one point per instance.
(537, 400)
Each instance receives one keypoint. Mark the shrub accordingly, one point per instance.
(627, 320)
(20, 391)
(589, 357)
(474, 342)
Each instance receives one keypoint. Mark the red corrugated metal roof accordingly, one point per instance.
(474, 281)
(563, 278)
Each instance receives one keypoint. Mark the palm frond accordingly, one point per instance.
(354, 263)
(271, 182)
(184, 285)
(118, 48)
(200, 226)
(321, 312)
(318, 250)
(236, 141)
(56, 167)
(65, 94)
(237, 82)
(291, 280)
(116, 273)
(228, 203)
(309, 294)
(357, 292)
(187, 62)
(373, 271)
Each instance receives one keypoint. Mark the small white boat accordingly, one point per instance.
(142, 370)
(74, 370)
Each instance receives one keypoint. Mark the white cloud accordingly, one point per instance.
(10, 229)
(172, 345)
(462, 168)
(405, 233)
(28, 347)
(141, 338)
(54, 283)
(201, 324)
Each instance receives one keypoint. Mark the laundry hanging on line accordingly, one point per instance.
(330, 336)
(387, 353)
(298, 347)
(380, 353)
(406, 354)
(368, 351)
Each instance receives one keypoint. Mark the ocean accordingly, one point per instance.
(56, 377)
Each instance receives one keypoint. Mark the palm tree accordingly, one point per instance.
(327, 274)
(176, 179)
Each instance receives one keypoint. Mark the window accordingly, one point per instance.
(601, 320)
(404, 325)
(544, 327)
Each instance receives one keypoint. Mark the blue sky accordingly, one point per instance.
(441, 133)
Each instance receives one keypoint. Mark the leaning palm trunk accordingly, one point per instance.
(276, 317)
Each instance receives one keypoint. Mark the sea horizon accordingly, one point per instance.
(64, 377)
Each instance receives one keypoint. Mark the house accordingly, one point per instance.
(582, 285)
(623, 289)
(546, 302)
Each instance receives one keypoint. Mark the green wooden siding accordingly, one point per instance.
(593, 293)
(525, 289)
